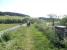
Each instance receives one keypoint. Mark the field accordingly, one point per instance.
(40, 35)
(27, 38)
(6, 26)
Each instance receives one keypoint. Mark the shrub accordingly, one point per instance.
(5, 37)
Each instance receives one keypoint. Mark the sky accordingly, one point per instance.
(35, 8)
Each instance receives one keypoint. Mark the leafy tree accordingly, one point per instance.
(64, 21)
(52, 17)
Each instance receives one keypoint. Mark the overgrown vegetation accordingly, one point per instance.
(27, 38)
(64, 21)
(50, 33)
(40, 35)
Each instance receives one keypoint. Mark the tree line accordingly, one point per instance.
(10, 21)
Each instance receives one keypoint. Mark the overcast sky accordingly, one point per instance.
(35, 8)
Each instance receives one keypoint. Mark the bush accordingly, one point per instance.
(5, 37)
(51, 35)
(64, 21)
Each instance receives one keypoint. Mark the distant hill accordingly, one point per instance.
(12, 14)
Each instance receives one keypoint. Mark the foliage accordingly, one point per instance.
(64, 21)
(26, 37)
(41, 41)
(5, 37)
(50, 33)
(39, 36)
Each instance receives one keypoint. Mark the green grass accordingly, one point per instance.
(41, 42)
(15, 41)
(6, 26)
(26, 38)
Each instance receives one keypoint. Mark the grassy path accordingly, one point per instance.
(35, 40)
(40, 40)
(28, 40)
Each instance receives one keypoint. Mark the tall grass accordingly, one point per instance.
(12, 40)
(41, 42)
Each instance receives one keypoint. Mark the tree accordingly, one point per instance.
(52, 17)
(64, 20)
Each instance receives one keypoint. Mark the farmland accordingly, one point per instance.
(6, 26)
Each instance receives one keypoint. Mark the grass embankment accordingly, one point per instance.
(26, 38)
(6, 26)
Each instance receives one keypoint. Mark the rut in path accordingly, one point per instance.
(28, 40)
